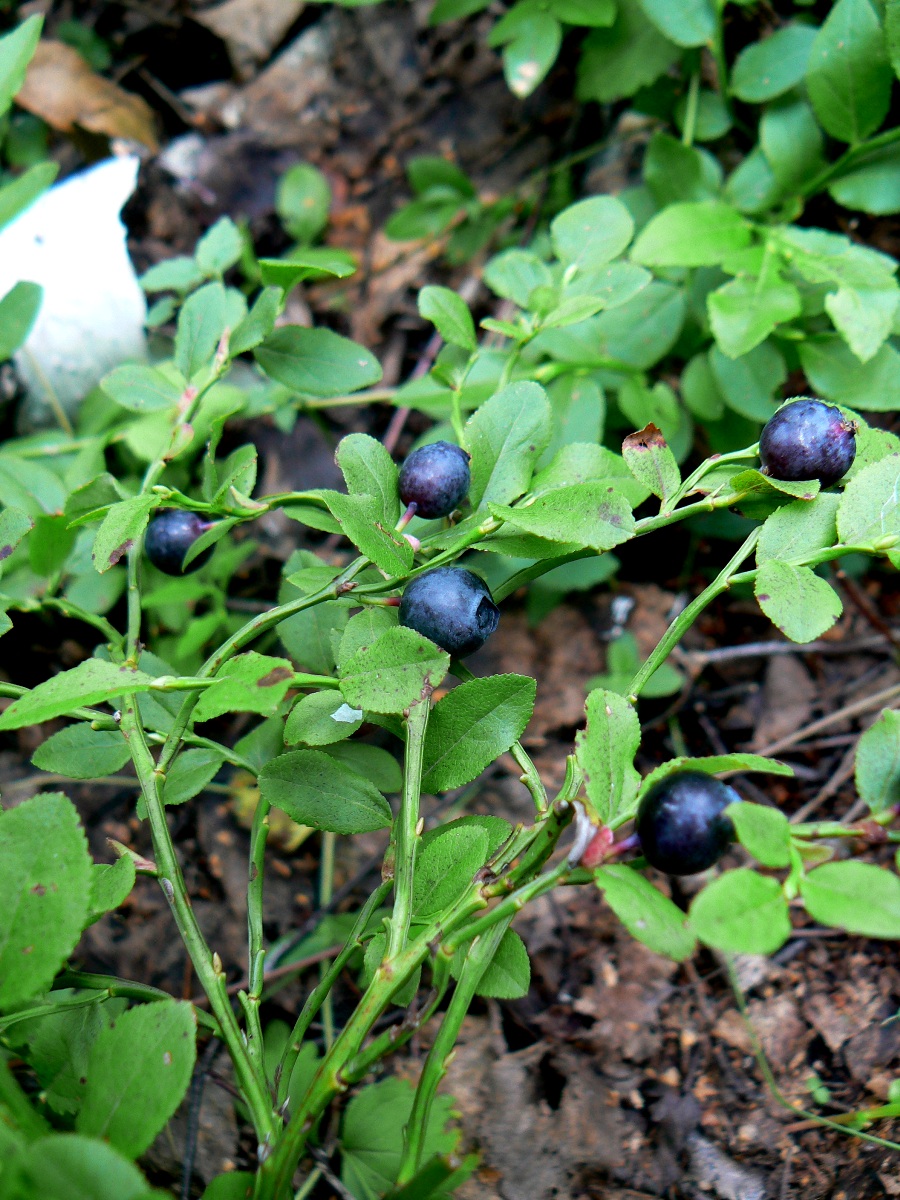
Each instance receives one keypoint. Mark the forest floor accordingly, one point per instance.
(621, 1075)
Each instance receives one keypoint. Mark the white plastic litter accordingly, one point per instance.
(71, 241)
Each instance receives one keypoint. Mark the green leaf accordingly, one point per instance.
(122, 526)
(645, 912)
(141, 389)
(878, 762)
(748, 384)
(587, 514)
(531, 50)
(691, 235)
(450, 315)
(15, 197)
(18, 312)
(591, 13)
(303, 201)
(864, 295)
(16, 49)
(249, 682)
(605, 751)
(316, 362)
(320, 719)
(869, 509)
(377, 765)
(306, 263)
(892, 32)
(715, 764)
(592, 232)
(45, 888)
(472, 726)
(515, 274)
(741, 912)
(744, 312)
(363, 629)
(68, 1167)
(836, 373)
(14, 524)
(392, 673)
(793, 143)
(91, 682)
(110, 886)
(314, 789)
(258, 323)
(236, 1185)
(651, 462)
(138, 1072)
(849, 76)
(763, 832)
(220, 247)
(372, 1136)
(368, 469)
(505, 437)
(508, 975)
(855, 896)
(874, 186)
(429, 172)
(201, 323)
(446, 863)
(799, 530)
(79, 752)
(189, 774)
(676, 174)
(685, 22)
(796, 600)
(178, 274)
(362, 521)
(771, 67)
(617, 62)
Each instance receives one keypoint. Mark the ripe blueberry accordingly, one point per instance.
(169, 537)
(681, 822)
(452, 607)
(436, 479)
(808, 440)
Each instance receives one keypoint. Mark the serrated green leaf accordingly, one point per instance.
(450, 315)
(855, 896)
(111, 884)
(605, 751)
(138, 1072)
(80, 752)
(391, 674)
(68, 1167)
(505, 437)
(362, 522)
(715, 764)
(586, 514)
(91, 682)
(201, 323)
(317, 790)
(249, 682)
(321, 719)
(645, 912)
(741, 912)
(651, 462)
(508, 975)
(45, 889)
(685, 22)
(848, 76)
(797, 531)
(368, 469)
(446, 863)
(18, 312)
(122, 526)
(870, 506)
(617, 62)
(796, 600)
(140, 388)
(472, 726)
(743, 313)
(691, 235)
(592, 232)
(878, 763)
(763, 832)
(772, 66)
(316, 362)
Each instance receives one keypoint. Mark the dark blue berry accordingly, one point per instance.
(681, 822)
(452, 607)
(169, 537)
(808, 440)
(436, 479)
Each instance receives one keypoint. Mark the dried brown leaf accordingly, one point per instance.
(61, 88)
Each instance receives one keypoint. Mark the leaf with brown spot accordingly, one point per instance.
(651, 462)
(275, 676)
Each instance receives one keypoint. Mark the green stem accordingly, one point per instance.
(688, 616)
(326, 891)
(205, 964)
(849, 159)
(405, 840)
(508, 907)
(478, 960)
(718, 50)
(128, 989)
(690, 112)
(326, 983)
(256, 957)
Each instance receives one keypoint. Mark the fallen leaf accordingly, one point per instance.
(61, 88)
